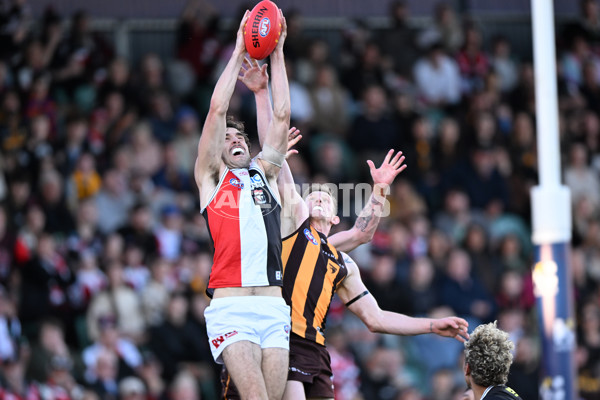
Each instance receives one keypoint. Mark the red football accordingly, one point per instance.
(262, 30)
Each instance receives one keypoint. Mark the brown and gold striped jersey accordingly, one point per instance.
(312, 271)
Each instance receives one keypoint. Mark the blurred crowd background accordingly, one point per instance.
(104, 256)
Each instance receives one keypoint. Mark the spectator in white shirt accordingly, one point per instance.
(438, 78)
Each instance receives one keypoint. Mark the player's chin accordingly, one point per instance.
(237, 161)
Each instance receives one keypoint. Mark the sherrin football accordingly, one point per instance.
(262, 30)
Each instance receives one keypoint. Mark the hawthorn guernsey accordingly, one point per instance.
(263, 29)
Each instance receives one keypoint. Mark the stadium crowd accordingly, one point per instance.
(104, 256)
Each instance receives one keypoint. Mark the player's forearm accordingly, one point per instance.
(368, 219)
(264, 113)
(400, 324)
(279, 85)
(219, 103)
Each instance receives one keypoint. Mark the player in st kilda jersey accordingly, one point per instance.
(248, 322)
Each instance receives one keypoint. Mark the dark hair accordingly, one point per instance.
(239, 125)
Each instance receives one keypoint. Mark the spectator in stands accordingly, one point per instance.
(373, 129)
(330, 103)
(399, 41)
(128, 357)
(120, 302)
(464, 293)
(132, 388)
(113, 201)
(446, 28)
(186, 138)
(504, 64)
(580, 178)
(45, 284)
(437, 78)
(473, 63)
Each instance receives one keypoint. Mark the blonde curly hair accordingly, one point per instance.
(488, 353)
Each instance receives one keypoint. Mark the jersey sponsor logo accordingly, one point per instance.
(287, 328)
(237, 183)
(264, 27)
(310, 236)
(256, 181)
(218, 341)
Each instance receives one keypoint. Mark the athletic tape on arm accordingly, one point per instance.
(272, 156)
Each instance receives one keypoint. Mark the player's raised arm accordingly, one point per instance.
(275, 144)
(366, 224)
(354, 294)
(213, 132)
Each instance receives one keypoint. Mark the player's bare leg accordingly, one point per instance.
(243, 360)
(294, 390)
(275, 363)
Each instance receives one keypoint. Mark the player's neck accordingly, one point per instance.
(321, 225)
(478, 391)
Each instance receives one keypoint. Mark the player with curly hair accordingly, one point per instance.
(488, 356)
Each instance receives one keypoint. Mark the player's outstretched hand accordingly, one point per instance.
(294, 137)
(389, 169)
(254, 76)
(240, 45)
(452, 327)
(283, 35)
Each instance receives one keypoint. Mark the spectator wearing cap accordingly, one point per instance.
(129, 358)
(132, 388)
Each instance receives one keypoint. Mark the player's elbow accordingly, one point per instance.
(218, 106)
(282, 112)
(373, 323)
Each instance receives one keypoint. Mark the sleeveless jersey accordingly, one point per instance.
(243, 220)
(313, 269)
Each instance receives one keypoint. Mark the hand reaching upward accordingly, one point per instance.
(389, 169)
(254, 76)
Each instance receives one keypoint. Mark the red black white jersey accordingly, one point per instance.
(244, 224)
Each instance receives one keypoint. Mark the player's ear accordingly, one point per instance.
(467, 369)
(335, 220)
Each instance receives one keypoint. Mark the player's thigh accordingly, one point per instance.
(275, 363)
(294, 390)
(243, 361)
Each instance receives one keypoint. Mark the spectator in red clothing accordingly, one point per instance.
(473, 63)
